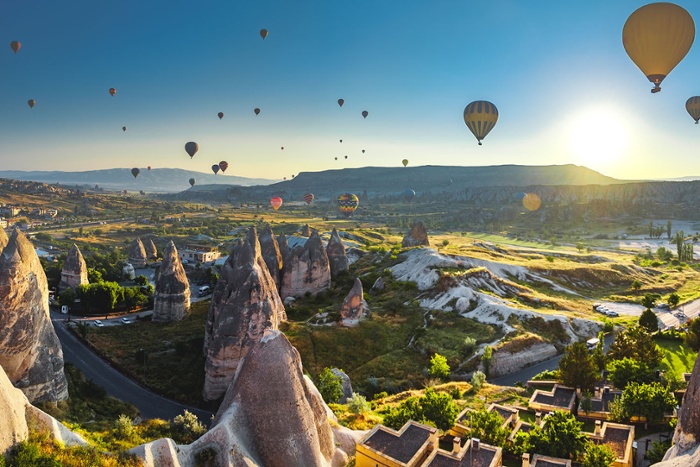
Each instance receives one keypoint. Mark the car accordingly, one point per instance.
(613, 313)
(98, 323)
(663, 306)
(602, 309)
(204, 290)
(680, 315)
(596, 305)
(125, 320)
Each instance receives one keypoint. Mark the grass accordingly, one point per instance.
(678, 358)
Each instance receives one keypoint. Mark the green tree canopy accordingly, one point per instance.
(598, 455)
(622, 372)
(560, 436)
(649, 300)
(674, 299)
(577, 368)
(439, 367)
(649, 321)
(692, 338)
(648, 400)
(330, 386)
(636, 343)
(487, 426)
(433, 408)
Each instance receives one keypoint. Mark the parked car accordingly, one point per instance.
(204, 290)
(98, 323)
(663, 306)
(596, 305)
(125, 320)
(602, 309)
(613, 313)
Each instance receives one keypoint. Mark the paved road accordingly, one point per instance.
(149, 404)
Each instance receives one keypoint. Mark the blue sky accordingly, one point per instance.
(557, 71)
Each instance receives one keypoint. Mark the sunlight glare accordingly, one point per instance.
(598, 137)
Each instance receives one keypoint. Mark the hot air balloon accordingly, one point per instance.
(282, 148)
(123, 128)
(112, 91)
(346, 157)
(149, 167)
(341, 140)
(692, 105)
(141, 192)
(31, 103)
(364, 114)
(192, 181)
(221, 115)
(336, 158)
(263, 33)
(135, 172)
(15, 46)
(276, 202)
(404, 162)
(284, 178)
(341, 102)
(257, 111)
(363, 151)
(191, 148)
(408, 195)
(347, 203)
(656, 37)
(308, 198)
(223, 165)
(215, 168)
(480, 117)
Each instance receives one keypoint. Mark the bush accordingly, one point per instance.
(330, 386)
(478, 379)
(357, 404)
(187, 428)
(380, 395)
(439, 367)
(124, 428)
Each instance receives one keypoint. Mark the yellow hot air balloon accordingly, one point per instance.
(480, 117)
(404, 162)
(692, 105)
(656, 37)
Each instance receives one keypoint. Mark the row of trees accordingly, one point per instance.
(105, 297)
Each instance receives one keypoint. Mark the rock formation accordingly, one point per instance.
(283, 247)
(74, 272)
(30, 351)
(137, 253)
(354, 306)
(305, 231)
(378, 285)
(306, 269)
(271, 254)
(3, 238)
(171, 301)
(151, 251)
(244, 304)
(346, 385)
(336, 254)
(417, 236)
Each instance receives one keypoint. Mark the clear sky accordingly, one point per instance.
(557, 71)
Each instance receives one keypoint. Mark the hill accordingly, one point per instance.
(155, 180)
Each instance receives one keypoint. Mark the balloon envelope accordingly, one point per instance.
(347, 203)
(135, 172)
(408, 195)
(692, 105)
(215, 168)
(31, 103)
(341, 102)
(404, 162)
(656, 37)
(149, 167)
(192, 181)
(221, 115)
(15, 46)
(480, 117)
(263, 33)
(223, 165)
(112, 91)
(276, 202)
(308, 198)
(191, 148)
(365, 113)
(123, 128)
(257, 111)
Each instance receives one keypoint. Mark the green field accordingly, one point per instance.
(678, 358)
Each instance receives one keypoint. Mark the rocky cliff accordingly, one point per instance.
(3, 239)
(283, 246)
(306, 269)
(137, 253)
(150, 247)
(271, 254)
(504, 362)
(244, 304)
(337, 257)
(74, 272)
(30, 352)
(354, 306)
(417, 236)
(171, 301)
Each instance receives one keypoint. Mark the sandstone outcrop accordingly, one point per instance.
(137, 253)
(30, 351)
(171, 300)
(244, 304)
(346, 384)
(504, 362)
(150, 247)
(336, 254)
(305, 230)
(306, 269)
(271, 254)
(74, 272)
(283, 247)
(417, 236)
(378, 285)
(3, 238)
(354, 306)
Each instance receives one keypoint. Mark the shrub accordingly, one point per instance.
(357, 404)
(478, 379)
(124, 428)
(187, 428)
(330, 386)
(380, 395)
(439, 367)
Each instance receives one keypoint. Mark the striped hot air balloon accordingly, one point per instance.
(223, 165)
(692, 105)
(347, 203)
(480, 117)
(308, 198)
(276, 202)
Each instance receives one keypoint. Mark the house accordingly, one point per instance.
(10, 211)
(619, 437)
(473, 454)
(544, 461)
(600, 403)
(559, 398)
(510, 417)
(408, 447)
(3, 223)
(199, 253)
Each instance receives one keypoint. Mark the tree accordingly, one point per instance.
(636, 343)
(560, 436)
(587, 403)
(141, 280)
(668, 230)
(599, 455)
(357, 404)
(330, 386)
(617, 412)
(679, 239)
(486, 359)
(649, 321)
(477, 381)
(636, 285)
(487, 426)
(649, 300)
(439, 367)
(577, 368)
(67, 297)
(673, 299)
(692, 338)
(622, 372)
(439, 408)
(124, 427)
(580, 247)
(94, 276)
(598, 356)
(651, 401)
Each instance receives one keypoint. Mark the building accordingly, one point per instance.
(600, 403)
(559, 398)
(544, 461)
(472, 454)
(199, 253)
(10, 211)
(620, 438)
(510, 416)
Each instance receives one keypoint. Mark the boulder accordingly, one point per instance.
(417, 236)
(271, 254)
(244, 304)
(336, 254)
(346, 384)
(354, 306)
(306, 269)
(378, 286)
(30, 351)
(171, 300)
(305, 230)
(137, 253)
(74, 272)
(151, 251)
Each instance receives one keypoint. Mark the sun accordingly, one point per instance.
(598, 136)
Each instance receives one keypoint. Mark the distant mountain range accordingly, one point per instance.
(155, 180)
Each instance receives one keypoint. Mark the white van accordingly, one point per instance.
(204, 290)
(592, 343)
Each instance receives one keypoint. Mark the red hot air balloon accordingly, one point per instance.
(215, 168)
(112, 91)
(31, 103)
(191, 148)
(263, 33)
(308, 198)
(223, 165)
(135, 172)
(149, 167)
(257, 111)
(15, 46)
(341, 102)
(221, 115)
(364, 114)
(276, 202)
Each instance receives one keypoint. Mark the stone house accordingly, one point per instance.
(559, 398)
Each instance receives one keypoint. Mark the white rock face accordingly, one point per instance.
(74, 272)
(306, 269)
(137, 253)
(503, 363)
(171, 301)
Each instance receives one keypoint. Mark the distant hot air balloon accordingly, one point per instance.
(135, 172)
(656, 37)
(404, 162)
(408, 195)
(363, 151)
(308, 198)
(112, 91)
(223, 165)
(346, 157)
(141, 192)
(191, 148)
(480, 117)
(336, 158)
(125, 192)
(284, 178)
(149, 167)
(15, 46)
(364, 114)
(341, 102)
(221, 115)
(347, 203)
(692, 105)
(263, 33)
(518, 197)
(192, 181)
(282, 148)
(123, 128)
(341, 140)
(257, 111)
(31, 103)
(215, 168)
(276, 202)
